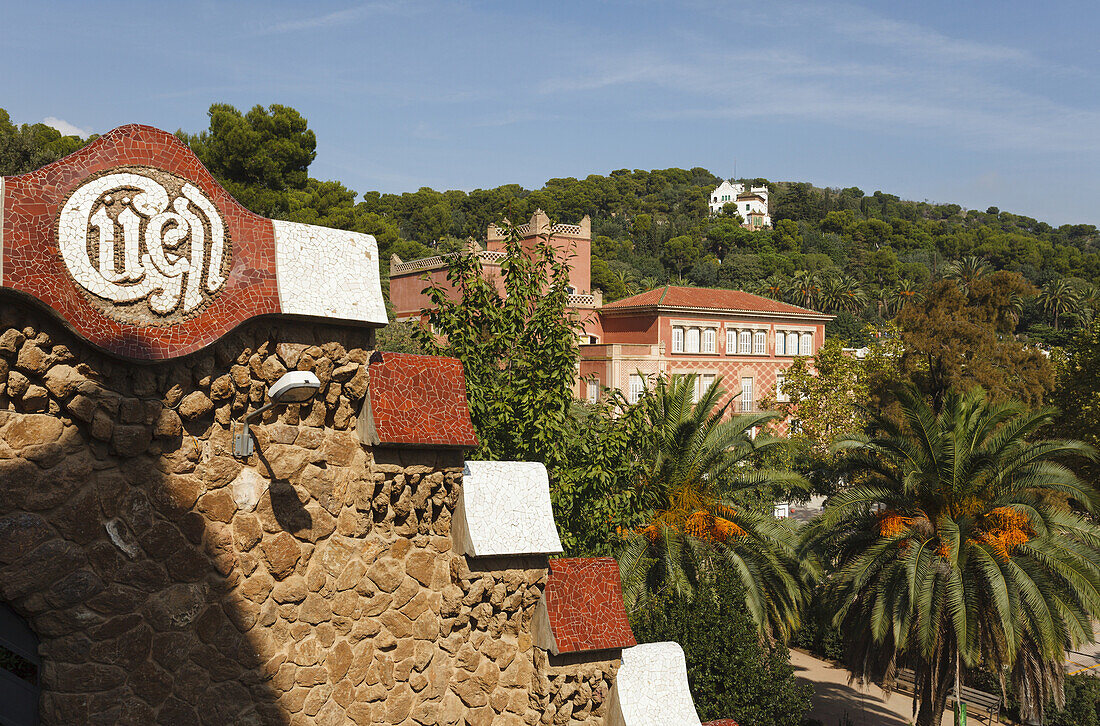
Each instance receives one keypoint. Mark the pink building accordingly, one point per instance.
(572, 241)
(746, 339)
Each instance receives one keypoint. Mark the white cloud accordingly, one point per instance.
(914, 78)
(66, 128)
(337, 17)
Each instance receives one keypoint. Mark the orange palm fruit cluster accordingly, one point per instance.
(891, 523)
(705, 526)
(1005, 529)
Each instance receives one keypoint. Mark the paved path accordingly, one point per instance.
(833, 697)
(1087, 658)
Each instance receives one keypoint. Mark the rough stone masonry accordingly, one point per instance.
(170, 583)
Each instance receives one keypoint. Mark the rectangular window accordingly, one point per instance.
(708, 340)
(792, 343)
(593, 390)
(702, 384)
(677, 340)
(744, 342)
(806, 346)
(759, 342)
(731, 341)
(691, 340)
(747, 402)
(780, 343)
(780, 395)
(636, 388)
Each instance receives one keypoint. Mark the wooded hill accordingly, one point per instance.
(840, 250)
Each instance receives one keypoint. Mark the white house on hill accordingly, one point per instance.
(751, 205)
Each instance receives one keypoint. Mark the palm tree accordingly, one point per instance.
(842, 293)
(905, 292)
(961, 543)
(774, 287)
(966, 270)
(805, 289)
(1089, 299)
(1057, 298)
(695, 465)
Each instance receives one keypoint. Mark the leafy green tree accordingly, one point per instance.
(594, 491)
(612, 285)
(681, 252)
(696, 472)
(259, 156)
(961, 541)
(830, 392)
(29, 146)
(1082, 704)
(957, 338)
(731, 672)
(1077, 393)
(726, 234)
(729, 211)
(400, 337)
(849, 329)
(518, 350)
(788, 238)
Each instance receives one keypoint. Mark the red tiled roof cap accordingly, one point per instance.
(584, 605)
(708, 298)
(416, 400)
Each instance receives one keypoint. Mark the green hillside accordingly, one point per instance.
(858, 255)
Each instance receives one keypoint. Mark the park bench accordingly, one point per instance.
(988, 703)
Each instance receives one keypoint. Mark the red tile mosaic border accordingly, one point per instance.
(32, 262)
(584, 602)
(417, 400)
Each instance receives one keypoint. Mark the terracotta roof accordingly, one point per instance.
(708, 298)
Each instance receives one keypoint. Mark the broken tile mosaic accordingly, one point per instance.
(504, 509)
(416, 400)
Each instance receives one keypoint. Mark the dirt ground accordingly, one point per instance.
(834, 698)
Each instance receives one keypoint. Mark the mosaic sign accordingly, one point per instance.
(127, 239)
(135, 246)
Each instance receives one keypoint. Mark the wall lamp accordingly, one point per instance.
(293, 387)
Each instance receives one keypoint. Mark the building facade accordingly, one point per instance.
(573, 243)
(745, 339)
(752, 205)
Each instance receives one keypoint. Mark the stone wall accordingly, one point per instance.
(572, 689)
(172, 583)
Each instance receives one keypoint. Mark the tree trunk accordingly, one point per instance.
(933, 700)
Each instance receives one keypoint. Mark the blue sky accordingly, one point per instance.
(979, 103)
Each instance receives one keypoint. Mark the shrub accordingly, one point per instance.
(1082, 703)
(732, 674)
(817, 634)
